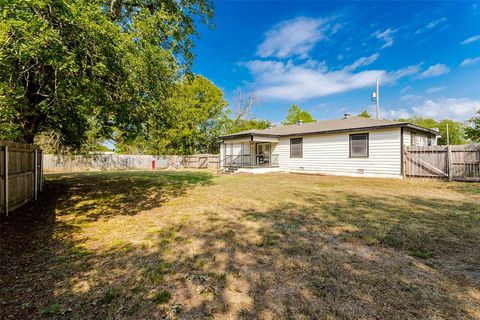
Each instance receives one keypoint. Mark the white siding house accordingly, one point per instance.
(351, 146)
(329, 153)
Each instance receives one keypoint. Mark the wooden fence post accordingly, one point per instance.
(41, 170)
(5, 178)
(35, 174)
(449, 162)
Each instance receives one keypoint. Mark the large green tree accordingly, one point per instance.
(472, 129)
(72, 66)
(190, 122)
(295, 114)
(455, 132)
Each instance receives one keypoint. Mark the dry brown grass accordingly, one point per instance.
(192, 245)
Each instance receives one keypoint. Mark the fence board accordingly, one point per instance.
(457, 162)
(98, 162)
(18, 186)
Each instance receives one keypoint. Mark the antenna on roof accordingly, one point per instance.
(376, 98)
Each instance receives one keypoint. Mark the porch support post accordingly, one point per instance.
(253, 152)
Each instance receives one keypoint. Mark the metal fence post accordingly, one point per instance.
(35, 174)
(5, 178)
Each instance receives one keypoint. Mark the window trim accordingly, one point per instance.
(350, 145)
(301, 149)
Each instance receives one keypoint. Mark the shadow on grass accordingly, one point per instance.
(360, 257)
(38, 252)
(100, 195)
(323, 256)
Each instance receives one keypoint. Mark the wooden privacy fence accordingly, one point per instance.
(110, 161)
(458, 162)
(21, 174)
(202, 161)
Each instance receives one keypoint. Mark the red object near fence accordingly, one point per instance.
(153, 164)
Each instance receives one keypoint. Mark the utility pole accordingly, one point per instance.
(448, 136)
(376, 98)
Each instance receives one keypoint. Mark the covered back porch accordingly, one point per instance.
(249, 152)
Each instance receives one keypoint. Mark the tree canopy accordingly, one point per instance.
(472, 129)
(74, 68)
(247, 124)
(190, 122)
(364, 114)
(295, 114)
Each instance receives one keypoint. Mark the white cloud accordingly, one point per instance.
(410, 97)
(404, 72)
(434, 71)
(471, 39)
(434, 89)
(363, 61)
(469, 61)
(395, 114)
(290, 81)
(385, 36)
(295, 37)
(431, 25)
(459, 109)
(447, 108)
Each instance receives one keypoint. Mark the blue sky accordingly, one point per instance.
(325, 56)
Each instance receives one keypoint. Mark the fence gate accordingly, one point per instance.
(458, 162)
(21, 174)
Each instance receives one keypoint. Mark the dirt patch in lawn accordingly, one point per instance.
(191, 245)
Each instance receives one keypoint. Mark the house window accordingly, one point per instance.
(296, 148)
(359, 145)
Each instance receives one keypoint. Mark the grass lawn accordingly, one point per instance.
(192, 245)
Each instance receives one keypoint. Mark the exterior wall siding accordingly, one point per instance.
(329, 153)
(407, 137)
(417, 138)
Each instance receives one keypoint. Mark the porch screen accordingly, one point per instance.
(296, 148)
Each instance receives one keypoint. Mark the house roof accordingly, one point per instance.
(330, 126)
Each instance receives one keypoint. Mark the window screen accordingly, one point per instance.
(359, 145)
(296, 146)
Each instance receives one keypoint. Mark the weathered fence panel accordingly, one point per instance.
(458, 162)
(98, 162)
(21, 174)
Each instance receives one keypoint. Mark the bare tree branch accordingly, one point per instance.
(242, 104)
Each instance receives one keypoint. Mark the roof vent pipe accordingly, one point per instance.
(299, 122)
(346, 115)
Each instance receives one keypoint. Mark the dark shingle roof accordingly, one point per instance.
(326, 126)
